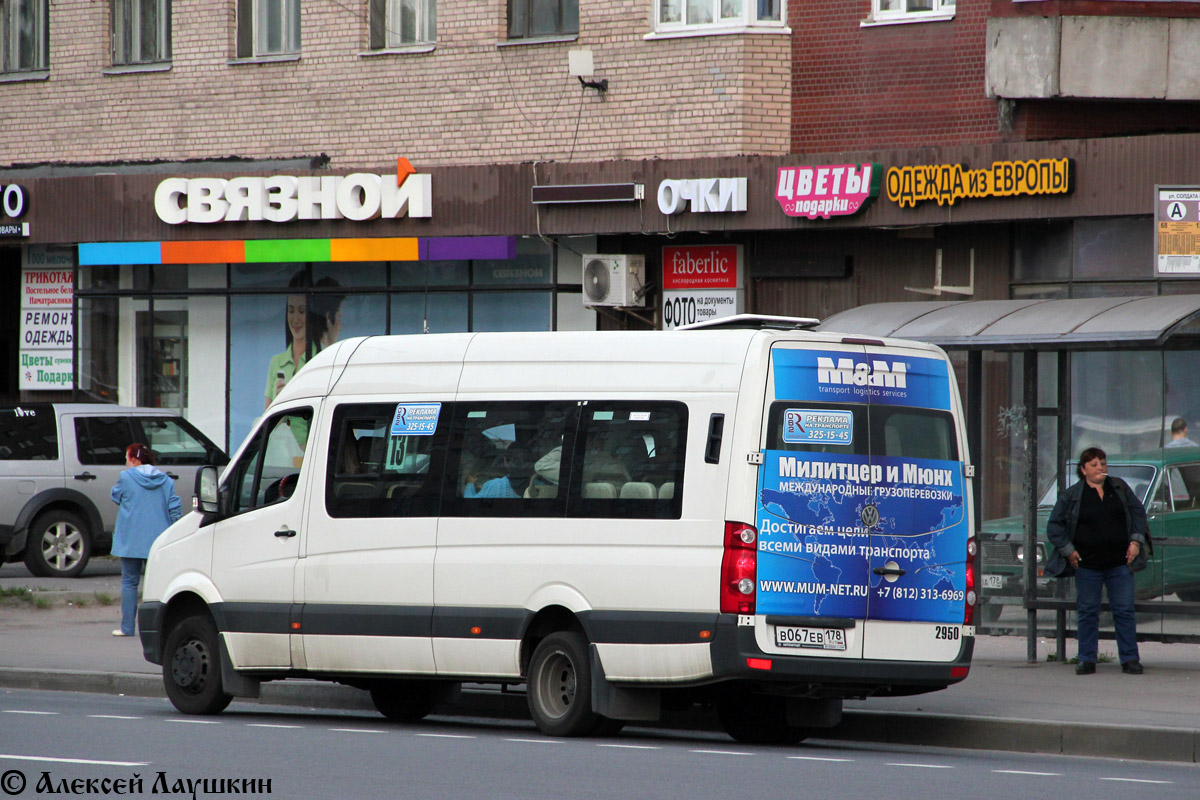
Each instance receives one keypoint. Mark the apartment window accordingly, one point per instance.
(268, 28)
(141, 31)
(530, 18)
(24, 35)
(398, 23)
(910, 10)
(706, 14)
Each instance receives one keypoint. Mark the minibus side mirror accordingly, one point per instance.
(206, 490)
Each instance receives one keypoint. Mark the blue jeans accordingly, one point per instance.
(131, 578)
(1088, 583)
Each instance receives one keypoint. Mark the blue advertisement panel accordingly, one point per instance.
(816, 557)
(849, 377)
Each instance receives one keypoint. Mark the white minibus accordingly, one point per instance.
(753, 516)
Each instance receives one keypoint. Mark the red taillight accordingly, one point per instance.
(971, 596)
(739, 569)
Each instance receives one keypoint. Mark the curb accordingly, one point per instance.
(896, 727)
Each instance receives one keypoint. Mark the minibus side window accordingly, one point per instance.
(270, 469)
(630, 460)
(385, 459)
(506, 459)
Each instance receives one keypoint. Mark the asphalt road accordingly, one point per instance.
(317, 754)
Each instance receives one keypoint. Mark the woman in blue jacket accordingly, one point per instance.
(148, 505)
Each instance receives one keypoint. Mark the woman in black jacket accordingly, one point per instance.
(1098, 530)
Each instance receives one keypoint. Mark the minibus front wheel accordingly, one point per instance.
(560, 686)
(192, 667)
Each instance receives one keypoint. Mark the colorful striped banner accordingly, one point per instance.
(259, 251)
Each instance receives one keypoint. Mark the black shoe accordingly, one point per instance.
(1086, 668)
(1132, 668)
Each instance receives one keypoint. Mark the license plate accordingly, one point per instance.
(993, 581)
(810, 638)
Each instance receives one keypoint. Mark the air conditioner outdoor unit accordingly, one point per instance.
(614, 280)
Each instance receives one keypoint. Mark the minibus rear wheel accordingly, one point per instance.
(560, 686)
(192, 667)
(753, 718)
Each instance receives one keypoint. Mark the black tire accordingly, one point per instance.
(1189, 595)
(757, 718)
(192, 667)
(58, 546)
(559, 688)
(406, 701)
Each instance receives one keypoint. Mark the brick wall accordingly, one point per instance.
(467, 101)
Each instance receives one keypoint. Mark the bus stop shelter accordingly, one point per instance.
(1047, 335)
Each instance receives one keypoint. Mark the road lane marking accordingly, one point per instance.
(722, 753)
(356, 730)
(194, 721)
(12, 757)
(270, 725)
(38, 713)
(922, 766)
(110, 716)
(446, 735)
(1027, 772)
(819, 758)
(632, 746)
(1135, 780)
(534, 741)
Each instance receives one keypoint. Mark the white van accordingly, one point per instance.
(769, 520)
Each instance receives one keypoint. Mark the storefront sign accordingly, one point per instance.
(948, 183)
(702, 195)
(835, 190)
(700, 283)
(283, 198)
(14, 202)
(1177, 218)
(46, 354)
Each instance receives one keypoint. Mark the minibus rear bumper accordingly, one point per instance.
(736, 656)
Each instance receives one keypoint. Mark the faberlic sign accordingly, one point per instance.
(835, 190)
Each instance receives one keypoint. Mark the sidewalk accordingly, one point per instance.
(1005, 703)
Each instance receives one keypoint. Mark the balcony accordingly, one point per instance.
(1113, 57)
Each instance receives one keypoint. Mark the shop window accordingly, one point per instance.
(1042, 251)
(511, 311)
(141, 31)
(534, 18)
(385, 459)
(96, 356)
(704, 15)
(24, 35)
(162, 357)
(400, 23)
(419, 274)
(268, 28)
(911, 10)
(430, 312)
(1115, 248)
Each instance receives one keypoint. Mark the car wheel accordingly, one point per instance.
(990, 613)
(560, 686)
(406, 701)
(58, 546)
(192, 667)
(757, 718)
(1189, 595)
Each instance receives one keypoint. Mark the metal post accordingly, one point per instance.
(1029, 492)
(1063, 455)
(975, 448)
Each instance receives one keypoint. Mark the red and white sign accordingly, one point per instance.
(700, 267)
(835, 190)
(46, 288)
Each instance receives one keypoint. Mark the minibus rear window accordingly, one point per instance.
(859, 429)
